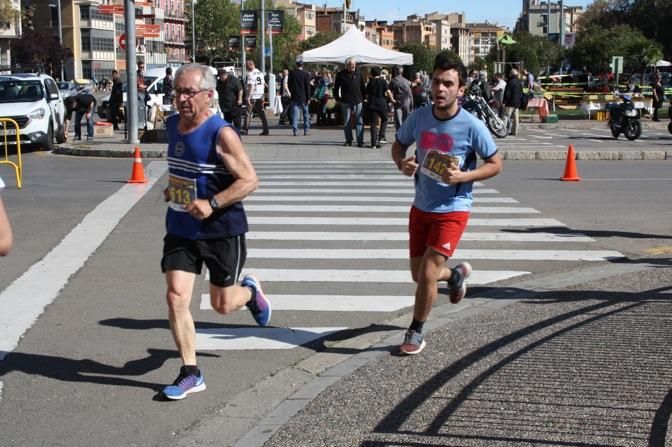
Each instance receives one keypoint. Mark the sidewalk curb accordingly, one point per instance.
(507, 155)
(296, 386)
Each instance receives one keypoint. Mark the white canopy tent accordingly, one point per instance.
(353, 44)
(662, 63)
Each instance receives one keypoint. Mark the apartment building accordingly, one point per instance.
(545, 19)
(305, 14)
(94, 37)
(384, 35)
(174, 30)
(484, 37)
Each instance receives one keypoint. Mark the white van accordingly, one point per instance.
(154, 81)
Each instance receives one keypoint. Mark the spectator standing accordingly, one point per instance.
(230, 92)
(116, 100)
(402, 96)
(285, 98)
(513, 100)
(209, 174)
(140, 83)
(377, 94)
(6, 236)
(497, 91)
(168, 86)
(658, 96)
(322, 95)
(444, 167)
(256, 87)
(299, 84)
(349, 90)
(83, 105)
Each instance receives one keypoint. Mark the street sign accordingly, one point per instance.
(250, 42)
(248, 22)
(122, 41)
(274, 21)
(617, 64)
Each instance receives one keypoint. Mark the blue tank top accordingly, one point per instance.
(196, 171)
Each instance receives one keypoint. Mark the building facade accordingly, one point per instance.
(484, 37)
(546, 19)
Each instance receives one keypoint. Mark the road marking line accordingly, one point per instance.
(398, 221)
(333, 176)
(379, 209)
(400, 183)
(395, 253)
(332, 303)
(357, 276)
(23, 301)
(233, 339)
(403, 236)
(394, 199)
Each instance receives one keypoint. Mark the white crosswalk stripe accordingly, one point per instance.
(314, 227)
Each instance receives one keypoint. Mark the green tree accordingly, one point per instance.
(595, 46)
(216, 20)
(7, 12)
(319, 40)
(423, 58)
(535, 52)
(39, 51)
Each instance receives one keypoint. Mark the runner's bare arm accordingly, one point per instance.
(406, 165)
(230, 149)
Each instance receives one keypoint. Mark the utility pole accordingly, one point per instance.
(131, 78)
(193, 32)
(262, 65)
(60, 37)
(242, 48)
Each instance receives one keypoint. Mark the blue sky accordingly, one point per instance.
(503, 12)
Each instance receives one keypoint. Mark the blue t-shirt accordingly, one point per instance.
(196, 171)
(462, 136)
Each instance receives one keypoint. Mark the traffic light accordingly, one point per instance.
(347, 4)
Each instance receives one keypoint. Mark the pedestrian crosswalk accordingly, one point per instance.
(331, 236)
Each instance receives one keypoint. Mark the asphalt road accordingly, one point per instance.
(91, 363)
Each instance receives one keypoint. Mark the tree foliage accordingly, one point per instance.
(535, 52)
(39, 51)
(217, 20)
(595, 46)
(7, 12)
(318, 40)
(423, 57)
(651, 17)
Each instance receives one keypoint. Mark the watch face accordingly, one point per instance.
(213, 203)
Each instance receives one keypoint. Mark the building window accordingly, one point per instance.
(84, 12)
(86, 39)
(102, 40)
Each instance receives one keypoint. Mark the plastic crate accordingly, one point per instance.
(552, 118)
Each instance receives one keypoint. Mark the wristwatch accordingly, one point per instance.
(213, 203)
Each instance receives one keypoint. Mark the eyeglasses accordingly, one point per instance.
(187, 93)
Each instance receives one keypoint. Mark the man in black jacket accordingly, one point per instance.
(349, 90)
(116, 100)
(298, 83)
(230, 92)
(513, 99)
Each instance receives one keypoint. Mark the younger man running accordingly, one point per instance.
(448, 141)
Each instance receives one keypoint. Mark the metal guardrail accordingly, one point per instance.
(18, 166)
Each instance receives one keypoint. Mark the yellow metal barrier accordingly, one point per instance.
(18, 167)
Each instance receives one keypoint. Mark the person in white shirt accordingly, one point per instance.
(6, 237)
(256, 87)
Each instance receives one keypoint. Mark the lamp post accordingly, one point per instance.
(60, 37)
(193, 32)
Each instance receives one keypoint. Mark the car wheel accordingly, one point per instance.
(49, 143)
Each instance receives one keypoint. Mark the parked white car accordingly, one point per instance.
(35, 103)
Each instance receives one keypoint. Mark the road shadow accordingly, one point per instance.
(87, 370)
(317, 342)
(591, 233)
(468, 374)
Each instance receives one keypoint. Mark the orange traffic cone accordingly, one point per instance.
(570, 167)
(138, 172)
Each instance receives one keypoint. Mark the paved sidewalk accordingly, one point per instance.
(326, 143)
(586, 365)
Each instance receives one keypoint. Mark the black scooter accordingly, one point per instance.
(624, 117)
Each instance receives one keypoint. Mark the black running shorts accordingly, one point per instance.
(223, 257)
